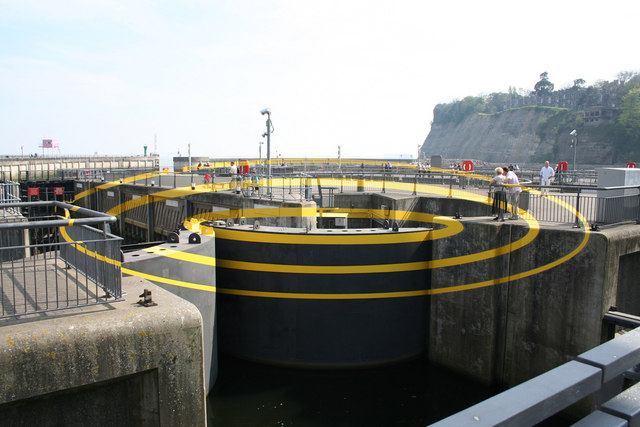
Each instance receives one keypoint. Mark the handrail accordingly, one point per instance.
(94, 216)
(543, 396)
(58, 263)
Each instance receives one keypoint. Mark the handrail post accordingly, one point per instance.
(638, 208)
(577, 224)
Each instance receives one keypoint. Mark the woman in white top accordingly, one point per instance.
(499, 196)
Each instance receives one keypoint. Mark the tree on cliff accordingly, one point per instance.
(455, 112)
(629, 118)
(578, 83)
(625, 76)
(544, 86)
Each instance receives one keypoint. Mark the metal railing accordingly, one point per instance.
(9, 193)
(598, 205)
(56, 262)
(607, 373)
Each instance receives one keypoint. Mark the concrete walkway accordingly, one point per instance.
(44, 282)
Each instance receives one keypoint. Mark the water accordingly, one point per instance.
(414, 393)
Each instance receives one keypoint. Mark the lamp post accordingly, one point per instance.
(269, 130)
(260, 152)
(574, 135)
(190, 168)
(339, 157)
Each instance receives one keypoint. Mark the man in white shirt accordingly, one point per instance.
(546, 173)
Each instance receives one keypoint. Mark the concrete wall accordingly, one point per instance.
(510, 332)
(623, 268)
(46, 167)
(186, 273)
(118, 364)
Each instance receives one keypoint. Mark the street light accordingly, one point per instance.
(190, 166)
(574, 142)
(260, 152)
(269, 130)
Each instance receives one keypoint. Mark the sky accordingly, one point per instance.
(108, 77)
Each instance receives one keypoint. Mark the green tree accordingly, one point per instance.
(625, 76)
(496, 102)
(578, 83)
(544, 86)
(457, 111)
(629, 117)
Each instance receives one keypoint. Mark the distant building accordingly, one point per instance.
(595, 116)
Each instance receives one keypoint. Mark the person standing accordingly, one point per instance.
(233, 170)
(546, 173)
(499, 196)
(514, 191)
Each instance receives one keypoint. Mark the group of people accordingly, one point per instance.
(506, 182)
(506, 178)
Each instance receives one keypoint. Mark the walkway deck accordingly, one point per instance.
(44, 282)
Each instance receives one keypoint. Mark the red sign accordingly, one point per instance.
(58, 191)
(631, 165)
(34, 191)
(467, 166)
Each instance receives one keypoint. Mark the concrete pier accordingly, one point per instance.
(116, 364)
(45, 167)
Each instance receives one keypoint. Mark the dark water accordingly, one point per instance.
(414, 393)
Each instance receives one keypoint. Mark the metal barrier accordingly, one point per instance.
(9, 193)
(55, 262)
(599, 373)
(598, 205)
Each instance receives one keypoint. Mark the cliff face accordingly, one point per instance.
(522, 136)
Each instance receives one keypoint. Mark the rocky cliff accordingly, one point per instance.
(520, 135)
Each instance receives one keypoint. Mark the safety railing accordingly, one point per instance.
(9, 193)
(569, 204)
(607, 374)
(559, 203)
(56, 262)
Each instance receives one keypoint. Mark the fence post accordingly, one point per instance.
(577, 224)
(638, 208)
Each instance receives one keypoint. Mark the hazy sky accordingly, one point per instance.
(107, 76)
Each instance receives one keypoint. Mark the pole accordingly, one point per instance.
(575, 148)
(190, 168)
(269, 151)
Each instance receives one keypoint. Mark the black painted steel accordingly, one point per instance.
(323, 320)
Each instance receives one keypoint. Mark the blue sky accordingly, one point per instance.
(109, 76)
